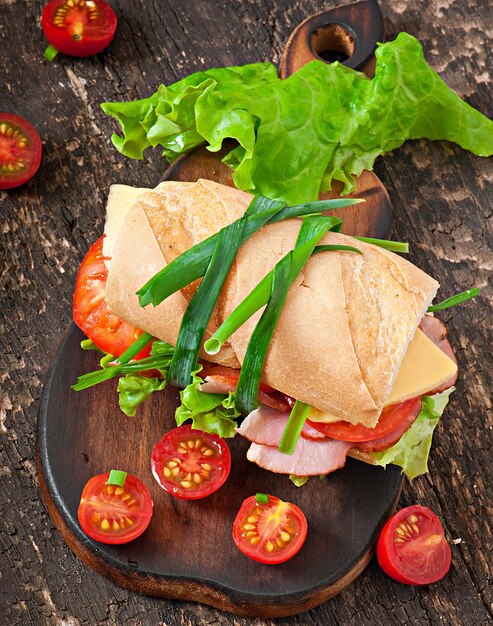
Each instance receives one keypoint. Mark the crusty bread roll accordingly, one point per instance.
(347, 321)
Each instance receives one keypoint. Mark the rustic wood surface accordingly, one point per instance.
(443, 200)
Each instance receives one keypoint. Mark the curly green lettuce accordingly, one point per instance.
(413, 448)
(212, 412)
(296, 136)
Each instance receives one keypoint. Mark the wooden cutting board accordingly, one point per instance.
(188, 552)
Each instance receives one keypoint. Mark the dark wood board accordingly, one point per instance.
(442, 199)
(188, 552)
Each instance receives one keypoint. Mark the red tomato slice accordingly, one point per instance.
(412, 548)
(113, 514)
(79, 28)
(271, 532)
(90, 310)
(20, 150)
(390, 419)
(227, 380)
(190, 463)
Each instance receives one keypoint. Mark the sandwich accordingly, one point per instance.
(354, 345)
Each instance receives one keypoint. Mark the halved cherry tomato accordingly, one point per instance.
(114, 514)
(90, 310)
(79, 28)
(190, 463)
(390, 419)
(270, 532)
(412, 548)
(20, 150)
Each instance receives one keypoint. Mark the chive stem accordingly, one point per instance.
(459, 298)
(139, 344)
(117, 477)
(393, 246)
(193, 263)
(262, 498)
(50, 53)
(294, 426)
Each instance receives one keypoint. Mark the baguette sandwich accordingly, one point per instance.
(353, 341)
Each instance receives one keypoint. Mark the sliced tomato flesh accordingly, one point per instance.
(226, 379)
(190, 463)
(390, 419)
(112, 513)
(20, 150)
(90, 309)
(78, 27)
(412, 548)
(269, 532)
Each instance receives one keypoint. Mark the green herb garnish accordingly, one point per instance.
(193, 263)
(294, 426)
(454, 300)
(117, 477)
(262, 498)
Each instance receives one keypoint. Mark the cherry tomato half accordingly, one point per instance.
(90, 310)
(390, 419)
(20, 150)
(412, 548)
(270, 532)
(190, 463)
(114, 514)
(79, 28)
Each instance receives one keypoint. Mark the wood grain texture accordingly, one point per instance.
(443, 200)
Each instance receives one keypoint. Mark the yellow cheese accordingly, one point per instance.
(424, 368)
(120, 199)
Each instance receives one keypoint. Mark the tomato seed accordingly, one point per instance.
(249, 526)
(285, 536)
(105, 525)
(269, 546)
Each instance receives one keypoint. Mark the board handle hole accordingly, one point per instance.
(332, 42)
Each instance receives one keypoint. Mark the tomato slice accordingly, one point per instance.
(225, 379)
(90, 310)
(390, 419)
(269, 532)
(20, 150)
(113, 514)
(412, 548)
(79, 28)
(190, 463)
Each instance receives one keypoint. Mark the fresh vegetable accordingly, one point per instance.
(189, 463)
(201, 306)
(413, 448)
(294, 426)
(79, 28)
(269, 532)
(115, 507)
(390, 419)
(412, 548)
(459, 298)
(193, 263)
(296, 136)
(20, 150)
(313, 228)
(159, 360)
(90, 310)
(283, 275)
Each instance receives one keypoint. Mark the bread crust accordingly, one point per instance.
(347, 321)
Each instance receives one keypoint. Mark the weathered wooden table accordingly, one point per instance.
(443, 200)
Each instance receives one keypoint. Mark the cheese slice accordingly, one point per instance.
(120, 200)
(424, 368)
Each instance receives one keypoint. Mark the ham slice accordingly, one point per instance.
(310, 457)
(265, 426)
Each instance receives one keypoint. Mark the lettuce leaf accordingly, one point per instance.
(213, 412)
(412, 450)
(133, 389)
(296, 136)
